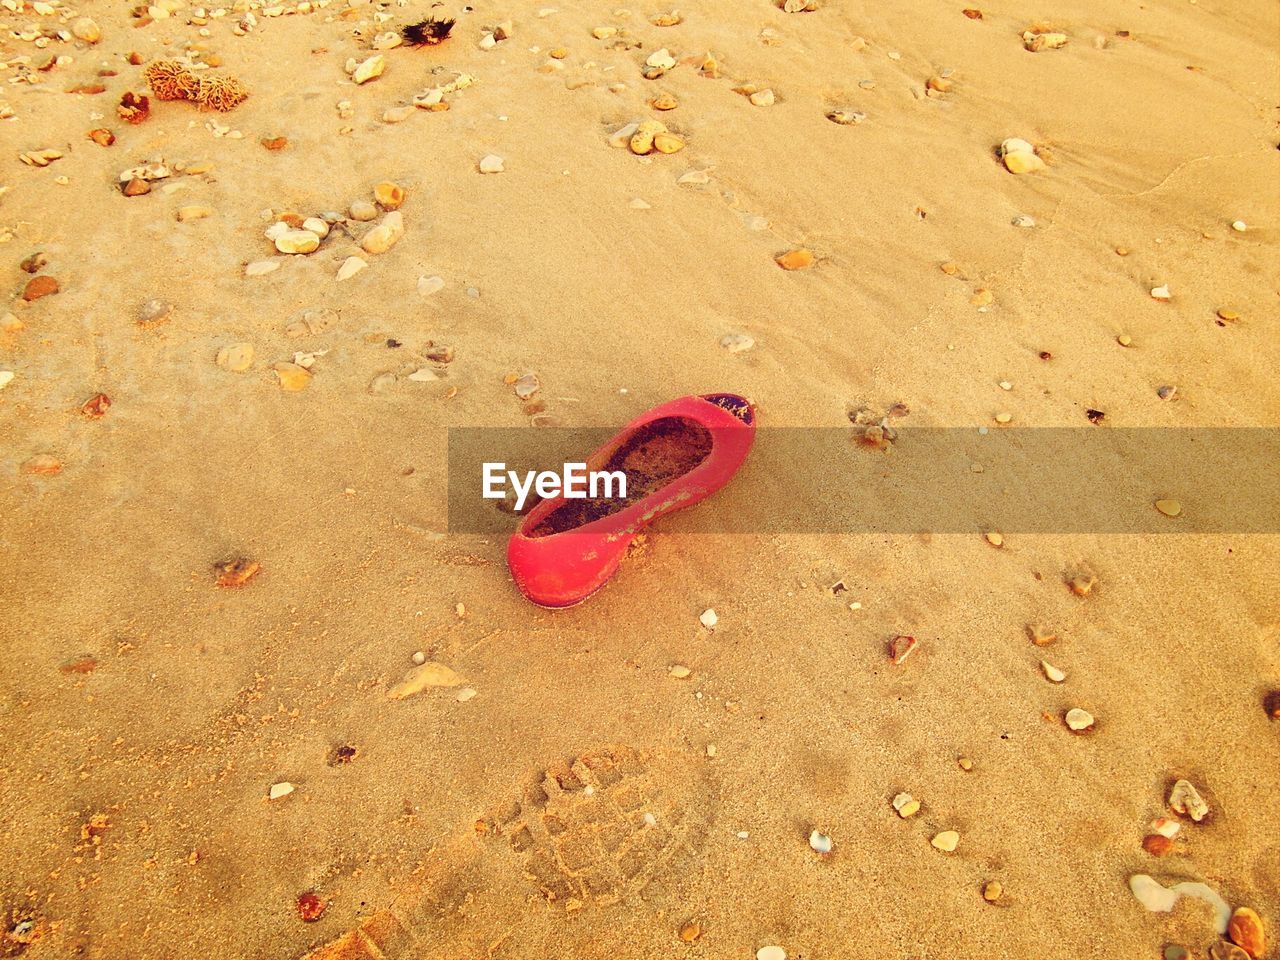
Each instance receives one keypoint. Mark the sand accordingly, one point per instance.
(137, 691)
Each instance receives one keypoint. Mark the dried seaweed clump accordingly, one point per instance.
(133, 107)
(172, 80)
(427, 33)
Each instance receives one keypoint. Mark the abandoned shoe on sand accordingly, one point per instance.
(674, 455)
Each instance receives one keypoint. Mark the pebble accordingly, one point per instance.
(946, 841)
(1019, 156)
(1166, 826)
(737, 342)
(1167, 392)
(423, 677)
(1161, 293)
(238, 357)
(1185, 799)
(771, 953)
(389, 195)
(906, 805)
(1052, 673)
(363, 211)
(293, 378)
(1124, 340)
(153, 312)
(136, 188)
(278, 790)
(297, 241)
(526, 386)
(1245, 930)
(465, 694)
(1226, 313)
(604, 33)
(384, 236)
(965, 764)
(799, 259)
(491, 163)
(37, 287)
(1170, 508)
(261, 267)
(664, 101)
(690, 931)
(1239, 226)
(86, 29)
(1078, 720)
(369, 69)
(992, 891)
(430, 285)
(646, 132)
(661, 59)
(900, 648)
(763, 98)
(6, 378)
(820, 842)
(709, 619)
(317, 226)
(846, 118)
(194, 212)
(680, 671)
(1156, 844)
(1024, 221)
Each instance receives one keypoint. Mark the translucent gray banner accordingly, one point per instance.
(943, 480)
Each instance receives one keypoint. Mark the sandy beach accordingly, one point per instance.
(224, 525)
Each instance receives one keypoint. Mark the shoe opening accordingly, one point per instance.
(650, 458)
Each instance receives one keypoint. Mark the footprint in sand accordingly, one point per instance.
(584, 834)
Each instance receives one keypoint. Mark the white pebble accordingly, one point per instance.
(491, 163)
(709, 618)
(771, 953)
(278, 790)
(820, 842)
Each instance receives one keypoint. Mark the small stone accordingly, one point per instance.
(152, 313)
(293, 377)
(194, 213)
(350, 267)
(939, 84)
(297, 241)
(991, 891)
(771, 953)
(37, 287)
(763, 98)
(995, 539)
(278, 790)
(690, 931)
(369, 69)
(1166, 827)
(1019, 156)
(491, 163)
(1170, 508)
(1124, 340)
(642, 140)
(1024, 221)
(664, 101)
(136, 187)
(316, 225)
(820, 843)
(261, 267)
(799, 259)
(1082, 581)
(680, 671)
(384, 236)
(668, 143)
(604, 33)
(737, 342)
(1226, 313)
(1078, 720)
(238, 357)
(1161, 293)
(6, 378)
(946, 841)
(846, 118)
(1185, 799)
(982, 297)
(1156, 844)
(423, 677)
(389, 195)
(1239, 226)
(661, 59)
(1036, 42)
(900, 647)
(1041, 636)
(363, 211)
(465, 694)
(709, 619)
(1167, 392)
(1052, 673)
(1003, 418)
(86, 29)
(965, 764)
(1245, 930)
(419, 658)
(526, 386)
(906, 805)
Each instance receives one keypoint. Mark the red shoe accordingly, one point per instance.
(673, 456)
